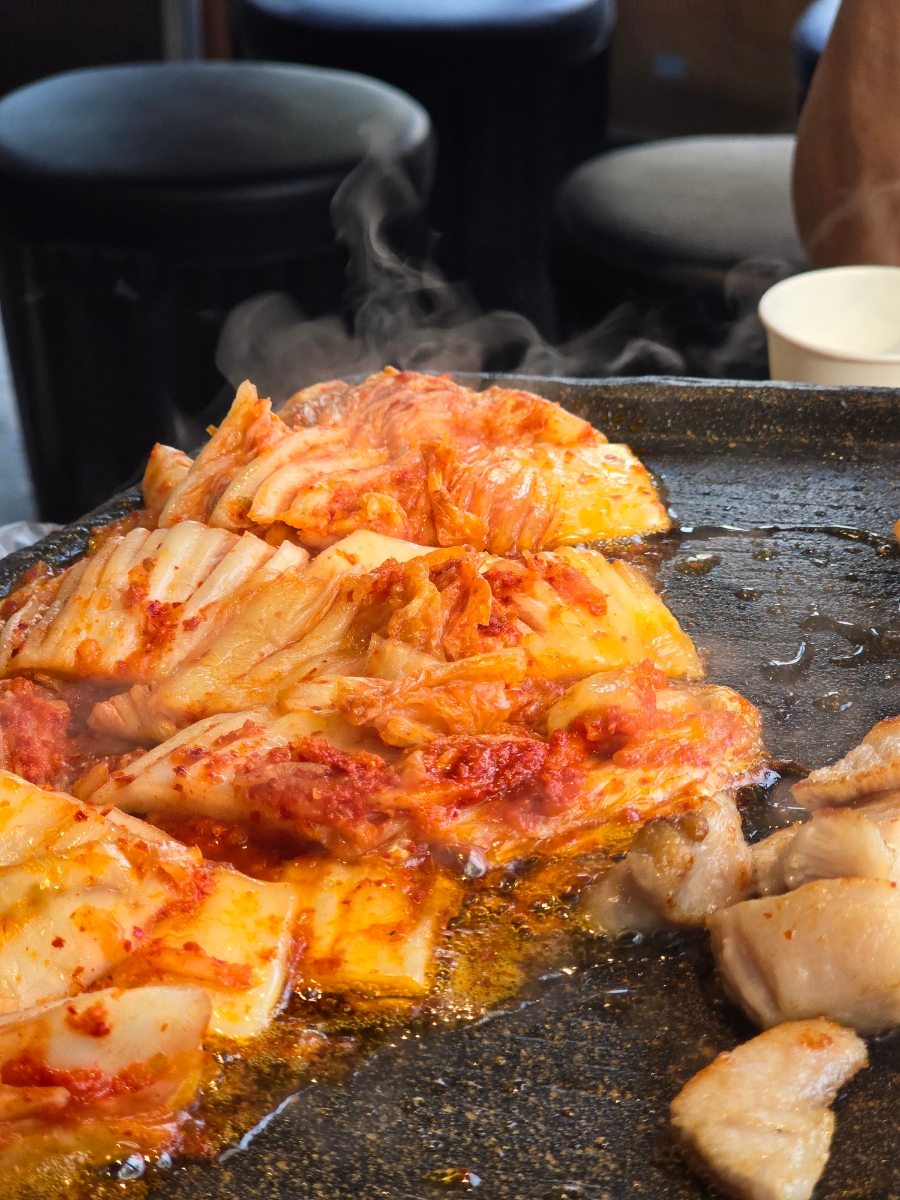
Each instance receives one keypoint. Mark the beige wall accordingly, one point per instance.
(733, 57)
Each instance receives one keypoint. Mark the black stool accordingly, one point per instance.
(665, 224)
(517, 90)
(137, 206)
(811, 31)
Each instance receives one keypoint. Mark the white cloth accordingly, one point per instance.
(22, 533)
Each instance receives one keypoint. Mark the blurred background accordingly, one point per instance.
(616, 175)
(678, 66)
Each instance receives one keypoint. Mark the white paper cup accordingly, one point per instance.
(838, 326)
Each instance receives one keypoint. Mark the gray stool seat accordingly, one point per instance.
(138, 205)
(517, 92)
(685, 211)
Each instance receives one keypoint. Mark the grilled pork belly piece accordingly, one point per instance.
(548, 617)
(78, 891)
(416, 457)
(831, 948)
(872, 766)
(757, 1122)
(677, 871)
(504, 792)
(768, 862)
(838, 843)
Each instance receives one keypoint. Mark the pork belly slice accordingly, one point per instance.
(102, 1055)
(768, 862)
(419, 458)
(238, 945)
(370, 927)
(757, 1122)
(677, 871)
(831, 948)
(143, 603)
(872, 766)
(79, 890)
(301, 776)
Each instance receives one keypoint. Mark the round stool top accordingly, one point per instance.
(504, 32)
(688, 209)
(194, 150)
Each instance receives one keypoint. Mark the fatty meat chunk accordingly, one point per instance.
(757, 1122)
(831, 949)
(842, 843)
(872, 766)
(678, 871)
(861, 841)
(768, 861)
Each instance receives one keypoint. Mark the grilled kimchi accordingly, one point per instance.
(353, 656)
(415, 457)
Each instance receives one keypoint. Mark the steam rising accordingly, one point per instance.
(407, 314)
